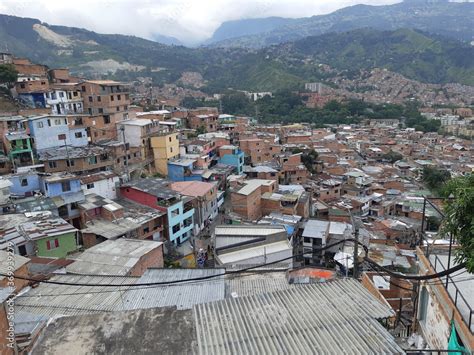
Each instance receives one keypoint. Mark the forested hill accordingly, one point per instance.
(417, 55)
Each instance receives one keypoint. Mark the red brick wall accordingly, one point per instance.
(19, 284)
(154, 259)
(89, 240)
(4, 349)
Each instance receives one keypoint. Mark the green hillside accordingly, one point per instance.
(417, 55)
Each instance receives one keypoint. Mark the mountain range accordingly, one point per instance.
(417, 55)
(449, 19)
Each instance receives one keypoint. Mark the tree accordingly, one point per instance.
(392, 156)
(307, 158)
(8, 75)
(201, 130)
(459, 217)
(435, 178)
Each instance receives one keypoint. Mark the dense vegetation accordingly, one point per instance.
(459, 220)
(435, 178)
(287, 107)
(8, 75)
(286, 66)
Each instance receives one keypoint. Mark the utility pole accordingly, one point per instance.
(126, 152)
(67, 155)
(355, 230)
(356, 252)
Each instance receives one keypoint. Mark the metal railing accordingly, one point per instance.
(458, 296)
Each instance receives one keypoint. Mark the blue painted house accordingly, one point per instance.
(66, 192)
(157, 194)
(24, 184)
(183, 170)
(54, 131)
(232, 155)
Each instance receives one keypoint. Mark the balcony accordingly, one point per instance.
(459, 293)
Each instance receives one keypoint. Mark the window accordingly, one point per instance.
(66, 186)
(90, 99)
(99, 98)
(22, 86)
(78, 134)
(146, 230)
(118, 97)
(39, 124)
(70, 163)
(169, 139)
(106, 119)
(176, 228)
(90, 186)
(117, 108)
(24, 182)
(111, 97)
(74, 93)
(83, 88)
(101, 110)
(175, 212)
(92, 160)
(61, 137)
(171, 149)
(188, 221)
(89, 110)
(52, 164)
(307, 240)
(424, 298)
(57, 122)
(61, 94)
(52, 244)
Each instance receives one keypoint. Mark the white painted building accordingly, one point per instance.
(102, 184)
(65, 100)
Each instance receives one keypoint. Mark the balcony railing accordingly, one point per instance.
(454, 293)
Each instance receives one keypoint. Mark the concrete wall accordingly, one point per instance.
(104, 188)
(439, 311)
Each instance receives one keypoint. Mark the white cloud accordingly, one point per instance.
(190, 21)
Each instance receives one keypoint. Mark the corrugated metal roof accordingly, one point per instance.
(227, 241)
(49, 300)
(183, 295)
(250, 230)
(256, 283)
(268, 250)
(337, 317)
(315, 228)
(112, 257)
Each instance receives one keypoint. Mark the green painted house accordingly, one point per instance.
(41, 235)
(57, 246)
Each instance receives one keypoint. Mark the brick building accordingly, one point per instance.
(106, 103)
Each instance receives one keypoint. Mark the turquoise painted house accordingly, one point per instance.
(232, 155)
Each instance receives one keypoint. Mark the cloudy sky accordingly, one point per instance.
(190, 21)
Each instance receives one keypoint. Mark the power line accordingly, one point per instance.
(175, 281)
(416, 277)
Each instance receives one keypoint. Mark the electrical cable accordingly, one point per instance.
(182, 280)
(416, 277)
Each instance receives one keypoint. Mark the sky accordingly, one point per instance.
(190, 21)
